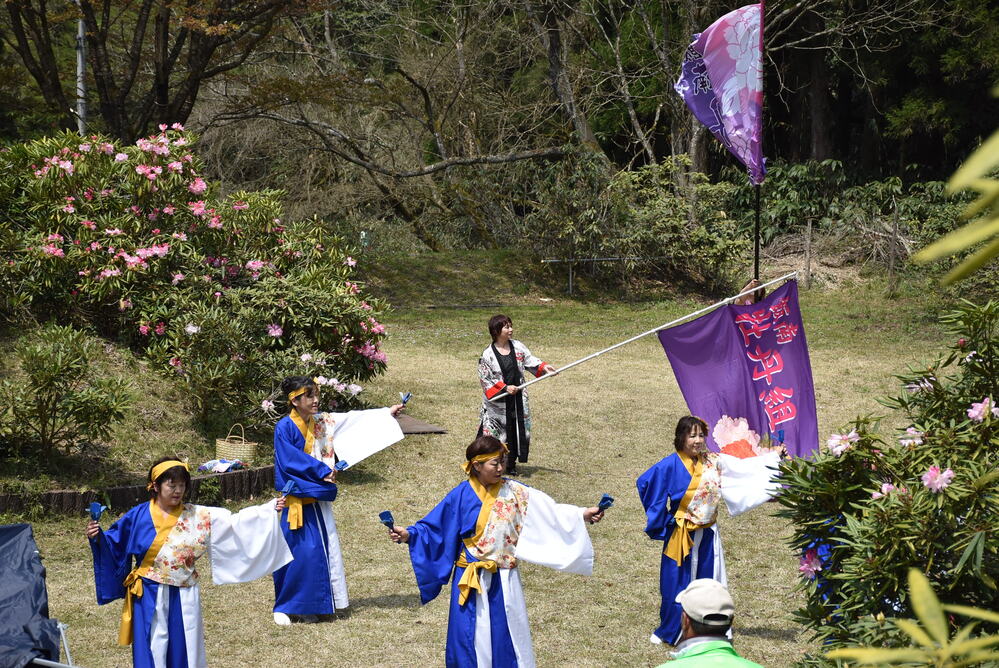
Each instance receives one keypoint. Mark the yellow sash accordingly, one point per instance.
(164, 524)
(681, 541)
(470, 578)
(295, 503)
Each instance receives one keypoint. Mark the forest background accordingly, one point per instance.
(549, 127)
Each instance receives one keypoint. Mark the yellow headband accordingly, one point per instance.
(484, 458)
(300, 391)
(162, 468)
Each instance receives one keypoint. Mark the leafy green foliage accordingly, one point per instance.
(871, 506)
(660, 229)
(56, 399)
(931, 643)
(131, 241)
(972, 175)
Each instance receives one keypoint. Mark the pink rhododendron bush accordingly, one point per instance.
(133, 243)
(872, 504)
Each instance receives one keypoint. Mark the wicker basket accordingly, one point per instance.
(236, 447)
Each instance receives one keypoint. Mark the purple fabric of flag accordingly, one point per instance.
(721, 80)
(749, 362)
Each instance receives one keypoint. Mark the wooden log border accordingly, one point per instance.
(233, 485)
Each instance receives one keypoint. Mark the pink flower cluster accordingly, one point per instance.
(913, 437)
(160, 145)
(810, 564)
(55, 162)
(886, 489)
(274, 330)
(840, 443)
(373, 326)
(980, 410)
(936, 480)
(371, 351)
(198, 186)
(53, 250)
(149, 171)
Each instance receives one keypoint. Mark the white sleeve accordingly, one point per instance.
(554, 535)
(246, 545)
(360, 434)
(746, 483)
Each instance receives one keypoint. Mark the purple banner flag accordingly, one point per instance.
(721, 80)
(745, 371)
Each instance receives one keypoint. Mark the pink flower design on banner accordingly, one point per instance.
(936, 480)
(810, 564)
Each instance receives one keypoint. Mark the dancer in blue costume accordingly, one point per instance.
(147, 557)
(681, 494)
(481, 529)
(315, 582)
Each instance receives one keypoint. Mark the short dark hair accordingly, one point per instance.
(174, 474)
(699, 629)
(481, 446)
(684, 426)
(496, 324)
(292, 383)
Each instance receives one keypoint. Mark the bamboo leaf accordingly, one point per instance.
(959, 239)
(916, 632)
(975, 613)
(872, 655)
(927, 606)
(974, 644)
(977, 165)
(973, 263)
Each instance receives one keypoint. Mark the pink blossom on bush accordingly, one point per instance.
(215, 223)
(144, 330)
(198, 186)
(255, 265)
(810, 564)
(274, 330)
(84, 148)
(306, 357)
(914, 437)
(840, 443)
(55, 236)
(980, 410)
(179, 236)
(124, 304)
(936, 480)
(885, 489)
(175, 362)
(180, 142)
(89, 224)
(120, 157)
(176, 166)
(113, 232)
(240, 205)
(69, 208)
(267, 405)
(160, 328)
(178, 127)
(51, 249)
(197, 208)
(354, 389)
(108, 273)
(350, 262)
(177, 278)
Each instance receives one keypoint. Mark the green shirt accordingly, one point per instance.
(714, 654)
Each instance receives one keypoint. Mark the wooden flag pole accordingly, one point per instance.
(702, 311)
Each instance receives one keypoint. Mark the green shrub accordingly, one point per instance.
(870, 506)
(218, 290)
(663, 230)
(56, 399)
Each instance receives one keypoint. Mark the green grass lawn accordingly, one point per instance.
(597, 427)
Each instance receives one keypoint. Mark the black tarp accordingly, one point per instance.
(26, 631)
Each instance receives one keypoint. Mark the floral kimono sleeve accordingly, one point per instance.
(490, 376)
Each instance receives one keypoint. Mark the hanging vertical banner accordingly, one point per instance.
(745, 371)
(721, 80)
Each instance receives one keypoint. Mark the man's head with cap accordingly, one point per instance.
(707, 607)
